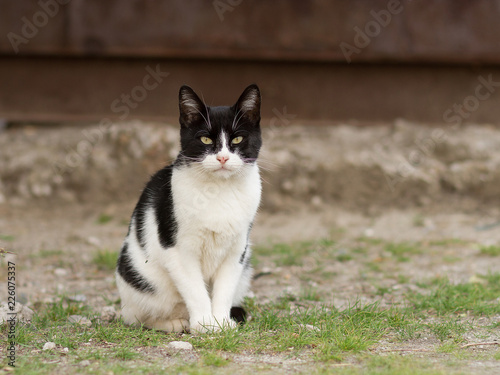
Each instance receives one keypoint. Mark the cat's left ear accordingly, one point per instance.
(249, 103)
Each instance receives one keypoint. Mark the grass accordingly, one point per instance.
(105, 259)
(479, 298)
(275, 328)
(293, 254)
(438, 316)
(285, 254)
(7, 237)
(449, 330)
(104, 219)
(396, 365)
(492, 251)
(311, 294)
(214, 359)
(401, 251)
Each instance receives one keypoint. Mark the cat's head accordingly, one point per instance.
(220, 141)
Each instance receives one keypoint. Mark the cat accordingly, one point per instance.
(185, 262)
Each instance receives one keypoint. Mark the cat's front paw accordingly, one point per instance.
(227, 323)
(211, 324)
(205, 325)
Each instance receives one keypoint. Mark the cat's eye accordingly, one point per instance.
(236, 140)
(206, 140)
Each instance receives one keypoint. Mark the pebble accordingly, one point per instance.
(23, 313)
(180, 345)
(49, 345)
(309, 327)
(81, 320)
(60, 272)
(108, 314)
(78, 298)
(316, 201)
(94, 241)
(369, 232)
(84, 363)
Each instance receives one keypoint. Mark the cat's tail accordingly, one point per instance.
(238, 314)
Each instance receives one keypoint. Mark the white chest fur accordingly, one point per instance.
(214, 214)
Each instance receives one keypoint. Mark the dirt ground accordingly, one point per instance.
(395, 182)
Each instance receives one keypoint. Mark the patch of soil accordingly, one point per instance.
(399, 183)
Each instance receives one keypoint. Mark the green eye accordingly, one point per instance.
(206, 140)
(236, 140)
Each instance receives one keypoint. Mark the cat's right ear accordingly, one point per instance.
(249, 103)
(191, 108)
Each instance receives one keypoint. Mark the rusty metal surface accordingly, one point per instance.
(314, 30)
(85, 89)
(72, 61)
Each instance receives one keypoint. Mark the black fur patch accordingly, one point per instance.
(161, 183)
(157, 195)
(139, 216)
(242, 258)
(238, 314)
(130, 274)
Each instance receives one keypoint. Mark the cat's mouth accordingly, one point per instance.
(224, 171)
(224, 168)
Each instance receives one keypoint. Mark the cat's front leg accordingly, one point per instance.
(225, 283)
(185, 270)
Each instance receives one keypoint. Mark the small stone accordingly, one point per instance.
(49, 345)
(81, 320)
(474, 279)
(369, 232)
(78, 298)
(65, 350)
(316, 201)
(108, 314)
(60, 272)
(23, 313)
(287, 185)
(180, 345)
(84, 363)
(309, 327)
(94, 241)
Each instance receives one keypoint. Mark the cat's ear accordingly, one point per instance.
(249, 103)
(191, 107)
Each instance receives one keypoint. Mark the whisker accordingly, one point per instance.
(192, 160)
(204, 118)
(263, 164)
(208, 114)
(236, 120)
(264, 180)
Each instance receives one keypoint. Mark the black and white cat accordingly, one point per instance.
(185, 263)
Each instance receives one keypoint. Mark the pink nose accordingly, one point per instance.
(222, 159)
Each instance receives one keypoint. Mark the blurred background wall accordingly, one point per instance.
(367, 60)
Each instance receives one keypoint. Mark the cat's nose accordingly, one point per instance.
(222, 159)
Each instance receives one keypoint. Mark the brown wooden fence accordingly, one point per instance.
(335, 60)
